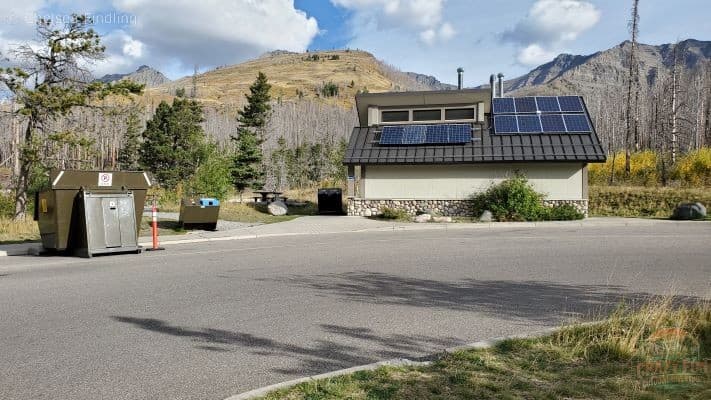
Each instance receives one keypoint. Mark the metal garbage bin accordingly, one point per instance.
(92, 212)
(330, 201)
(199, 213)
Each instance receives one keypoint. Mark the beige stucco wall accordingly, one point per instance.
(557, 181)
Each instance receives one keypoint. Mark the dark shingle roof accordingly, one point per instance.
(363, 148)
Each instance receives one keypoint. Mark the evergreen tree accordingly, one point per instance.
(129, 155)
(174, 141)
(248, 171)
(256, 113)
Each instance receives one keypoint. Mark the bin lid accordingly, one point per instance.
(99, 180)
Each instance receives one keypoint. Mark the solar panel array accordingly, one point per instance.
(540, 114)
(426, 134)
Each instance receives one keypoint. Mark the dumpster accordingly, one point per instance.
(199, 213)
(330, 201)
(92, 212)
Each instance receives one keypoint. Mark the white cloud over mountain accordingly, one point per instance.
(549, 26)
(173, 33)
(424, 17)
(211, 32)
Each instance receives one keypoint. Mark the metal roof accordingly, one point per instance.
(363, 148)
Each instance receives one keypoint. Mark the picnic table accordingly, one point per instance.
(266, 196)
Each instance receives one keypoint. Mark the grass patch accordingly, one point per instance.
(165, 227)
(258, 213)
(577, 362)
(18, 231)
(629, 201)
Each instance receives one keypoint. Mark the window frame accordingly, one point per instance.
(443, 113)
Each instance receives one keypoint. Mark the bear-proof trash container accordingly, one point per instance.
(199, 213)
(92, 212)
(330, 201)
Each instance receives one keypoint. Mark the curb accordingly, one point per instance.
(397, 362)
(22, 250)
(34, 248)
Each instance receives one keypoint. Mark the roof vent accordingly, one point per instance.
(460, 80)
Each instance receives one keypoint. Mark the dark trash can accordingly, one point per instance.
(330, 201)
(199, 213)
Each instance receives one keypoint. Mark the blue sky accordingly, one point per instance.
(427, 36)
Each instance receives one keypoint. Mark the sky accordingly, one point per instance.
(433, 37)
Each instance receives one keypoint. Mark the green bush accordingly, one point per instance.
(563, 212)
(329, 89)
(393, 213)
(511, 200)
(213, 177)
(7, 205)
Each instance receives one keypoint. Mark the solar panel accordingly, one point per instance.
(525, 104)
(505, 124)
(503, 105)
(391, 135)
(414, 134)
(552, 123)
(547, 104)
(570, 104)
(421, 134)
(436, 134)
(529, 124)
(459, 133)
(576, 123)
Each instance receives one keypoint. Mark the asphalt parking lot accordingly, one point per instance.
(209, 320)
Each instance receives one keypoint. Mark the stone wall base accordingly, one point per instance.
(448, 208)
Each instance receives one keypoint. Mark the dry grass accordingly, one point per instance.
(636, 201)
(287, 73)
(18, 231)
(591, 361)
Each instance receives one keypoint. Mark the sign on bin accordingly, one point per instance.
(106, 179)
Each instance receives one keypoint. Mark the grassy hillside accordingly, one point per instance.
(294, 76)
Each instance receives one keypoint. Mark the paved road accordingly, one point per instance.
(210, 320)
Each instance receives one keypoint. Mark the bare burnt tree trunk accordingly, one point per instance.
(674, 131)
(632, 85)
(23, 177)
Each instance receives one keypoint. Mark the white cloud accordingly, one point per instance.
(549, 26)
(213, 32)
(534, 54)
(422, 16)
(133, 48)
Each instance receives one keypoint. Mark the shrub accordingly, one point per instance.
(393, 213)
(7, 205)
(329, 89)
(694, 169)
(213, 177)
(563, 212)
(511, 200)
(644, 169)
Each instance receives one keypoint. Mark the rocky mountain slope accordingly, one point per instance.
(144, 74)
(599, 71)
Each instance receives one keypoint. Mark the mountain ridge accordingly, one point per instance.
(146, 75)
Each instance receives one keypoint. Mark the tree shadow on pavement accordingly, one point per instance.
(532, 301)
(321, 356)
